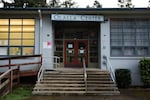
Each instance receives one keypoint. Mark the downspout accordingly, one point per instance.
(40, 31)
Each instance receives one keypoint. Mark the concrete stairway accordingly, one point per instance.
(71, 82)
(62, 81)
(100, 83)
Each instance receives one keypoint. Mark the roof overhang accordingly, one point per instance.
(95, 11)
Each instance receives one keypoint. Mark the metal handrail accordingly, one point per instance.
(110, 69)
(56, 62)
(85, 74)
(42, 69)
(40, 74)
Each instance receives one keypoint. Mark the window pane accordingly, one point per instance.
(28, 42)
(134, 35)
(3, 35)
(28, 22)
(28, 29)
(28, 35)
(3, 42)
(15, 21)
(16, 29)
(129, 51)
(4, 22)
(4, 29)
(28, 51)
(15, 35)
(3, 50)
(142, 51)
(15, 42)
(15, 51)
(116, 51)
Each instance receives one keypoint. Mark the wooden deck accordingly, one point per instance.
(16, 69)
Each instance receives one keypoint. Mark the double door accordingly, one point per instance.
(74, 52)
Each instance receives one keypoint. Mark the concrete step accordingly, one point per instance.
(71, 76)
(60, 85)
(103, 92)
(58, 92)
(63, 73)
(94, 69)
(60, 81)
(100, 78)
(102, 88)
(100, 82)
(100, 85)
(60, 88)
(63, 78)
(70, 69)
(98, 73)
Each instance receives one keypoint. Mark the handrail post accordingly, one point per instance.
(85, 74)
(9, 63)
(11, 80)
(41, 59)
(18, 73)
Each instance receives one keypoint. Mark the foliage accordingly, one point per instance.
(96, 4)
(149, 3)
(54, 4)
(24, 3)
(20, 93)
(125, 3)
(68, 4)
(145, 71)
(30, 3)
(123, 78)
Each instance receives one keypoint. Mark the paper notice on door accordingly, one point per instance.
(81, 51)
(70, 46)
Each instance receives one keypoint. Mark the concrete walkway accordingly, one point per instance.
(129, 94)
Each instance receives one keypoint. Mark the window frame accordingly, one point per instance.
(119, 24)
(21, 46)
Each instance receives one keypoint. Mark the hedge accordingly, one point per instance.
(145, 71)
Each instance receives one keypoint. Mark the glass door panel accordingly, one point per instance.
(74, 51)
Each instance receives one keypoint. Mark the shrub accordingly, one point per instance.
(145, 71)
(123, 78)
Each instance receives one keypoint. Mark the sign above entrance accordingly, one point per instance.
(66, 17)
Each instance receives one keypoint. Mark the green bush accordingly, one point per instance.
(145, 71)
(123, 78)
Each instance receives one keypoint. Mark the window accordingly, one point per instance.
(130, 37)
(17, 37)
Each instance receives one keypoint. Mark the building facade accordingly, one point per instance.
(120, 34)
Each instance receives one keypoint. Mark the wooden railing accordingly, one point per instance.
(11, 64)
(8, 80)
(11, 77)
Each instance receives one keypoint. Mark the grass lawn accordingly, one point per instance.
(19, 93)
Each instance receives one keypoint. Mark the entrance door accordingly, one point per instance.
(74, 51)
